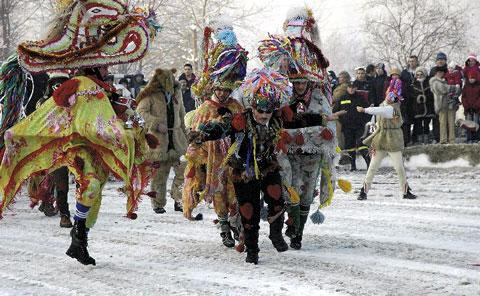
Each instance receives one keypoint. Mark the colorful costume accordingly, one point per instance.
(225, 65)
(311, 151)
(253, 154)
(78, 127)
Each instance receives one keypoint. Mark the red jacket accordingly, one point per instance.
(454, 77)
(471, 96)
(467, 69)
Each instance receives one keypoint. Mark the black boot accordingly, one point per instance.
(409, 194)
(296, 242)
(47, 208)
(177, 207)
(252, 256)
(276, 235)
(362, 195)
(78, 247)
(159, 210)
(290, 232)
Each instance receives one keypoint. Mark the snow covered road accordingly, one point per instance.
(382, 246)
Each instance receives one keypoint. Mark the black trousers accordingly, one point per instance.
(60, 179)
(248, 198)
(421, 126)
(353, 139)
(407, 132)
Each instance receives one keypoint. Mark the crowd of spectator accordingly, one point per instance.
(430, 101)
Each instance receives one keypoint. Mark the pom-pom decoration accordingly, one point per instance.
(266, 88)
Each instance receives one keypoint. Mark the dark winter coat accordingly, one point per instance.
(353, 119)
(188, 101)
(365, 88)
(471, 96)
(380, 85)
(406, 107)
(422, 99)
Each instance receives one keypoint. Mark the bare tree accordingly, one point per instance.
(182, 24)
(400, 28)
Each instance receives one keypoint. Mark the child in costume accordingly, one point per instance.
(84, 126)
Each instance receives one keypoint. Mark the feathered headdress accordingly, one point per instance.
(225, 62)
(266, 89)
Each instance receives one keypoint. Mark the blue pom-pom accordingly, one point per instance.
(227, 37)
(317, 217)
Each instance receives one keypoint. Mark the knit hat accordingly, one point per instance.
(441, 56)
(472, 56)
(422, 70)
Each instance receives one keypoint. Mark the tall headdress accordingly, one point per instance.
(297, 49)
(83, 34)
(225, 62)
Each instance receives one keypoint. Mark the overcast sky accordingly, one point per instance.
(334, 15)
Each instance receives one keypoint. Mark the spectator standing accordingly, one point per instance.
(408, 76)
(186, 79)
(443, 105)
(380, 84)
(364, 87)
(471, 103)
(333, 79)
(440, 61)
(370, 72)
(353, 123)
(423, 110)
(471, 64)
(339, 92)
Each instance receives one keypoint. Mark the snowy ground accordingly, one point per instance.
(382, 246)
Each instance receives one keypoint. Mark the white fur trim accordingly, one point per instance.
(297, 12)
